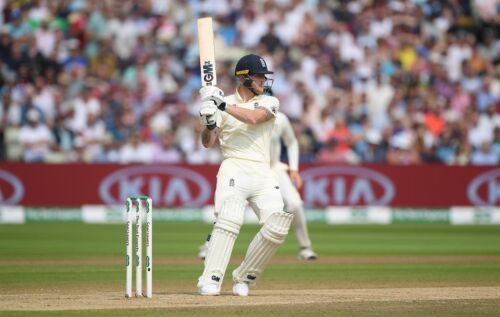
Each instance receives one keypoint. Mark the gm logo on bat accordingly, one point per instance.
(208, 72)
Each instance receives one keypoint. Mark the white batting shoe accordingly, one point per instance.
(241, 289)
(307, 254)
(209, 290)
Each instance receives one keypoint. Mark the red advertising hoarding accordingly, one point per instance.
(193, 185)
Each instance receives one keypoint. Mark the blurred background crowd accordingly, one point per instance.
(363, 81)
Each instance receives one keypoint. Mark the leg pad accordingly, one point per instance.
(263, 247)
(220, 247)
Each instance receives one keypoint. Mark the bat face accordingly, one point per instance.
(207, 52)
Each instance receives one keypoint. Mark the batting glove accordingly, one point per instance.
(208, 114)
(215, 94)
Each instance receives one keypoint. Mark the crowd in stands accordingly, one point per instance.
(363, 81)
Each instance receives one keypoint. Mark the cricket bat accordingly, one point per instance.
(207, 52)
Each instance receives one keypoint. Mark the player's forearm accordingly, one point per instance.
(293, 155)
(208, 137)
(249, 116)
(295, 178)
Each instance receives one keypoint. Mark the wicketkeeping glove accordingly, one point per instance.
(215, 94)
(208, 114)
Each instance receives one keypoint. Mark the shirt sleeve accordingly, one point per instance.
(270, 103)
(292, 145)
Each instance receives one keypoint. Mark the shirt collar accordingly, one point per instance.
(240, 100)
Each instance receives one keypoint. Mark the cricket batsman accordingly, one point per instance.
(243, 123)
(289, 181)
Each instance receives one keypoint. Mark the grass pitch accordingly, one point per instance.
(62, 269)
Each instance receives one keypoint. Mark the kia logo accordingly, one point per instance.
(484, 190)
(345, 185)
(166, 185)
(11, 188)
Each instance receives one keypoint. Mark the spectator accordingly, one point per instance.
(75, 59)
(376, 151)
(495, 147)
(167, 151)
(484, 155)
(64, 139)
(83, 105)
(402, 153)
(136, 150)
(446, 148)
(93, 138)
(340, 135)
(270, 40)
(485, 97)
(45, 38)
(35, 138)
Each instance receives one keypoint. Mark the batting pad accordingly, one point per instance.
(220, 247)
(263, 247)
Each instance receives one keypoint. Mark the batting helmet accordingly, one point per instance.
(250, 65)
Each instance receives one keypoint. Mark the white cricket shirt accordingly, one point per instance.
(244, 141)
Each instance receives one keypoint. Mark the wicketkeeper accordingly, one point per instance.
(243, 123)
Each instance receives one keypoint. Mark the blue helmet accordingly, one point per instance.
(251, 65)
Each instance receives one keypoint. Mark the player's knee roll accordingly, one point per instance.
(228, 225)
(275, 228)
(231, 214)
